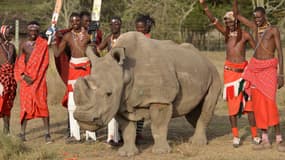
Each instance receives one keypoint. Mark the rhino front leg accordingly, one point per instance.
(129, 134)
(160, 115)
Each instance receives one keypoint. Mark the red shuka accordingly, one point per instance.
(10, 85)
(33, 98)
(262, 78)
(234, 101)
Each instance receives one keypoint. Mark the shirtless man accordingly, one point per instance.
(235, 40)
(8, 84)
(77, 39)
(262, 75)
(30, 71)
(109, 41)
(86, 22)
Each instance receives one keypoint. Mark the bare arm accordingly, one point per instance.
(23, 75)
(242, 19)
(213, 19)
(104, 44)
(279, 50)
(251, 41)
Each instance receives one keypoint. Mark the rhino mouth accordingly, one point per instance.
(88, 121)
(90, 126)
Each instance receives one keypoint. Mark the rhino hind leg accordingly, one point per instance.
(202, 115)
(129, 134)
(160, 115)
(194, 115)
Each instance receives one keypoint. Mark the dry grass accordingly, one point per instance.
(219, 148)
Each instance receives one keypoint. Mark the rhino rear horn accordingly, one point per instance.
(118, 54)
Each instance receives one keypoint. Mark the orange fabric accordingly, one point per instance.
(262, 74)
(230, 76)
(33, 98)
(265, 110)
(253, 132)
(148, 35)
(235, 132)
(9, 89)
(74, 74)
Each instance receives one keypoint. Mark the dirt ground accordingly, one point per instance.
(219, 133)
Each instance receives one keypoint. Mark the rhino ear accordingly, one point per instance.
(118, 54)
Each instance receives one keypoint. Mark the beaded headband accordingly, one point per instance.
(33, 27)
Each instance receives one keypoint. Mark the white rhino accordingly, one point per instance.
(143, 78)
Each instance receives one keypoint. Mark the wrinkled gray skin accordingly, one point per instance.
(151, 79)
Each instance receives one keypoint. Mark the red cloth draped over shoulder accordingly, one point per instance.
(99, 37)
(33, 98)
(62, 60)
(9, 89)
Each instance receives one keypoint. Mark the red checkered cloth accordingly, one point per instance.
(33, 98)
(262, 74)
(9, 90)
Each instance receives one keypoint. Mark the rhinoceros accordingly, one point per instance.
(149, 79)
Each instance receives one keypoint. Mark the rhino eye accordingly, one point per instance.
(109, 94)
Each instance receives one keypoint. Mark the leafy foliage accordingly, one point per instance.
(175, 19)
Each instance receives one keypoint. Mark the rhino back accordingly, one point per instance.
(163, 70)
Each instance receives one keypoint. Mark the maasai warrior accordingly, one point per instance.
(143, 24)
(110, 40)
(262, 74)
(30, 70)
(115, 25)
(85, 21)
(235, 40)
(8, 84)
(77, 39)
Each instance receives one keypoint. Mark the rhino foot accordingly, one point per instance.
(159, 149)
(128, 151)
(198, 140)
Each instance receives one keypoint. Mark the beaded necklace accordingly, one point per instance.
(262, 28)
(77, 36)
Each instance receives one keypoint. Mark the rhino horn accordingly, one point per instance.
(82, 91)
(91, 55)
(118, 54)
